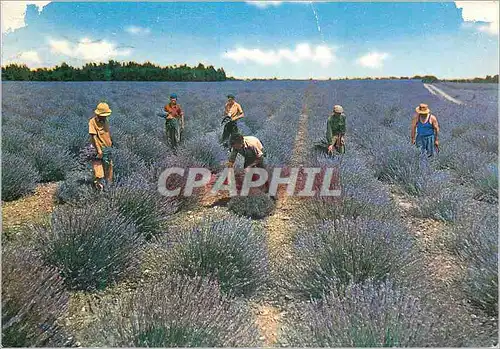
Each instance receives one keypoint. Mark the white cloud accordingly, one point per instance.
(321, 54)
(14, 13)
(88, 50)
(30, 58)
(264, 4)
(481, 11)
(373, 60)
(137, 30)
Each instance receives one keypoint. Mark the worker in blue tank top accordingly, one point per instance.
(426, 129)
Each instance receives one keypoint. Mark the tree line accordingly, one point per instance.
(114, 71)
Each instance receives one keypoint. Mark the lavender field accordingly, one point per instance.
(406, 257)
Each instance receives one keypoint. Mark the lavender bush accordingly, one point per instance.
(361, 315)
(126, 163)
(204, 151)
(486, 184)
(52, 162)
(175, 312)
(255, 206)
(344, 251)
(33, 300)
(93, 246)
(402, 165)
(143, 206)
(475, 241)
(481, 284)
(362, 195)
(463, 160)
(19, 177)
(231, 251)
(76, 189)
(442, 201)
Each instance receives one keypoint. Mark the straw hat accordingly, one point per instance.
(103, 109)
(338, 109)
(423, 109)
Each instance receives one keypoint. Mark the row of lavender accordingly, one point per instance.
(361, 262)
(187, 285)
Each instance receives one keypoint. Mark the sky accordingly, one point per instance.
(296, 40)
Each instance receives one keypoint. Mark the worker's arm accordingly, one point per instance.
(435, 124)
(413, 128)
(94, 139)
(167, 110)
(329, 133)
(342, 128)
(95, 143)
(181, 113)
(239, 113)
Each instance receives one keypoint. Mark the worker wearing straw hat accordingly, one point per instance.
(425, 130)
(100, 138)
(335, 130)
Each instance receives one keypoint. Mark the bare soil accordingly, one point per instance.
(28, 210)
(280, 229)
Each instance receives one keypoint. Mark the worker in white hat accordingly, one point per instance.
(335, 130)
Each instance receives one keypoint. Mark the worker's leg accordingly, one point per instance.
(239, 127)
(109, 172)
(429, 145)
(266, 185)
(342, 145)
(177, 131)
(419, 142)
(335, 144)
(98, 168)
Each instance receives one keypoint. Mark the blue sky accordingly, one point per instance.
(274, 39)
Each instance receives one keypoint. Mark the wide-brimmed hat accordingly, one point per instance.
(338, 109)
(103, 109)
(423, 109)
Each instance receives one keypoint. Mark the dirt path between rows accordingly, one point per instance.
(438, 92)
(29, 209)
(279, 228)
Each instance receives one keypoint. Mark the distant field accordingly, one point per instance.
(406, 257)
(472, 92)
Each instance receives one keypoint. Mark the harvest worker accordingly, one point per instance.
(252, 151)
(174, 123)
(249, 147)
(100, 138)
(233, 113)
(426, 127)
(335, 130)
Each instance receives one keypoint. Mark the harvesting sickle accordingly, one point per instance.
(100, 138)
(425, 130)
